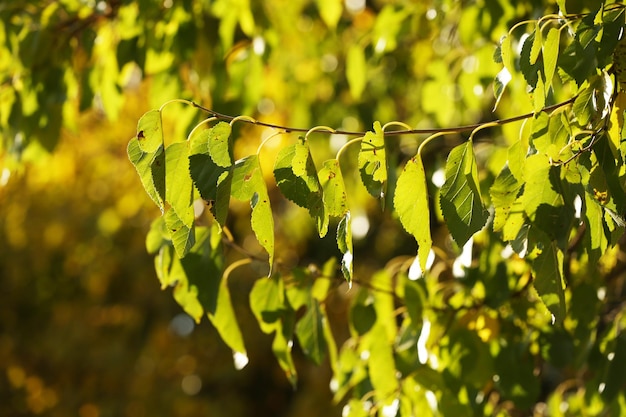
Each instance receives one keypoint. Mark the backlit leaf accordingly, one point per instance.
(499, 85)
(334, 188)
(543, 199)
(507, 54)
(344, 241)
(150, 131)
(248, 184)
(310, 332)
(213, 183)
(373, 162)
(537, 41)
(504, 192)
(548, 280)
(151, 170)
(297, 179)
(382, 367)
(179, 187)
(550, 55)
(584, 106)
(211, 180)
(181, 231)
(595, 237)
(219, 144)
(411, 203)
(461, 202)
(529, 64)
(199, 287)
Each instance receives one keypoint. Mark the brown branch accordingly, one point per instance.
(457, 129)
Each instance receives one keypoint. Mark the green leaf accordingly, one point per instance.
(499, 85)
(268, 304)
(344, 241)
(411, 203)
(504, 192)
(515, 220)
(584, 107)
(181, 231)
(596, 241)
(248, 184)
(550, 55)
(537, 41)
(200, 288)
(310, 332)
(219, 145)
(334, 189)
(542, 198)
(356, 70)
(461, 202)
(158, 236)
(530, 65)
(382, 367)
(548, 280)
(150, 131)
(516, 158)
(506, 51)
(212, 181)
(296, 177)
(373, 162)
(362, 313)
(550, 136)
(179, 186)
(151, 170)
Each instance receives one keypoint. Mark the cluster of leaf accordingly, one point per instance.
(554, 206)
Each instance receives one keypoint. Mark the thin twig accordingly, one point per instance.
(325, 129)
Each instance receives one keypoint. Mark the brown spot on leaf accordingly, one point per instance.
(140, 135)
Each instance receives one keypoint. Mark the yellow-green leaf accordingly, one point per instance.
(181, 230)
(550, 55)
(504, 192)
(548, 280)
(373, 162)
(461, 202)
(297, 179)
(218, 144)
(344, 241)
(411, 203)
(151, 170)
(150, 131)
(334, 189)
(178, 183)
(535, 50)
(248, 184)
(310, 332)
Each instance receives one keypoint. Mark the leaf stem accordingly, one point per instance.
(323, 129)
(429, 139)
(396, 123)
(243, 118)
(350, 142)
(267, 139)
(235, 265)
(481, 127)
(205, 121)
(176, 100)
